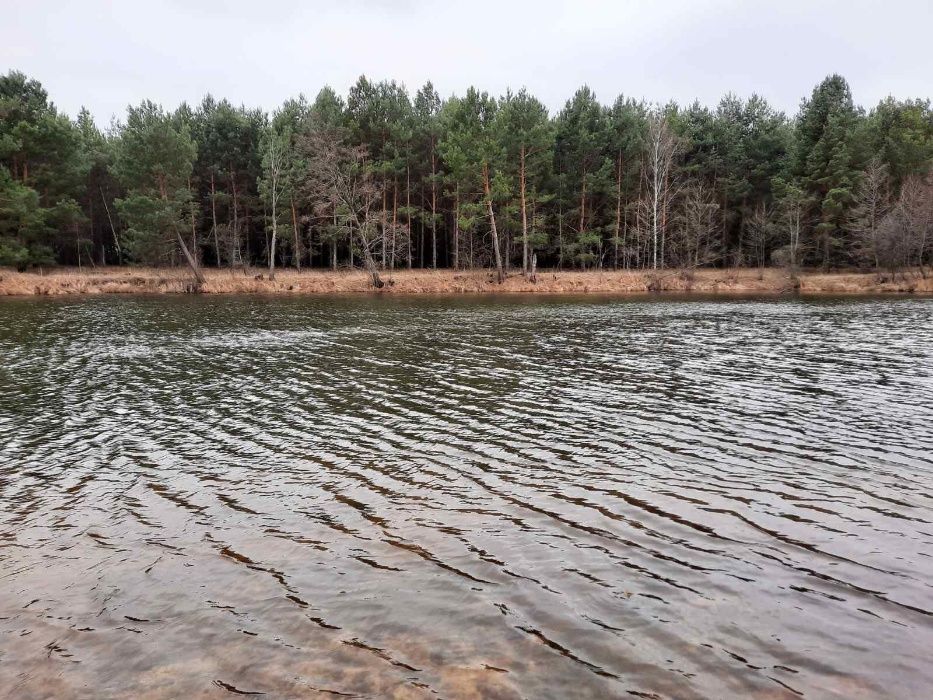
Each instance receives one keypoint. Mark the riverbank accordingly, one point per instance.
(138, 280)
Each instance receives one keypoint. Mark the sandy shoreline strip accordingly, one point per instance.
(141, 280)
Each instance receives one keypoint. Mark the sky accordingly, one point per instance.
(106, 55)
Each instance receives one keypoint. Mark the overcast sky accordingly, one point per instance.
(106, 55)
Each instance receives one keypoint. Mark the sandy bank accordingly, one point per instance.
(131, 280)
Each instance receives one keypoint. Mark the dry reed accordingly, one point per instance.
(141, 280)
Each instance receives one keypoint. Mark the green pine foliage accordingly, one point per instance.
(743, 183)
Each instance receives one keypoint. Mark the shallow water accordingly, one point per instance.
(460, 498)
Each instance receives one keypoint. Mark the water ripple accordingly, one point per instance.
(466, 498)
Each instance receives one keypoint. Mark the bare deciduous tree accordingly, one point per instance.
(340, 179)
(760, 232)
(697, 227)
(792, 218)
(903, 234)
(916, 204)
(871, 205)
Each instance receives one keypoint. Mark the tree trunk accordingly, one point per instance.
(664, 207)
(333, 245)
(235, 256)
(472, 237)
(192, 263)
(370, 263)
(297, 243)
(725, 232)
(194, 230)
(456, 251)
(422, 238)
(408, 209)
(492, 225)
(275, 228)
(384, 223)
(582, 204)
(113, 230)
(655, 206)
(394, 223)
(434, 213)
(521, 186)
(615, 262)
(560, 235)
(214, 221)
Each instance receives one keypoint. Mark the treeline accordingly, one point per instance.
(385, 180)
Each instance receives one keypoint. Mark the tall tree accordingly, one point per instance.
(527, 139)
(627, 125)
(275, 184)
(661, 149)
(580, 150)
(870, 206)
(427, 110)
(340, 176)
(288, 122)
(380, 117)
(472, 181)
(227, 172)
(901, 136)
(40, 149)
(474, 155)
(154, 160)
(826, 160)
(328, 113)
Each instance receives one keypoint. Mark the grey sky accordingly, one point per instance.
(108, 54)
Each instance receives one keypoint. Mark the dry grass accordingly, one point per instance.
(131, 280)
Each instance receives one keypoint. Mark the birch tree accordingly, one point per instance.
(273, 184)
(660, 179)
(791, 205)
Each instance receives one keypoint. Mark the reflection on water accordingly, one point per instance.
(362, 497)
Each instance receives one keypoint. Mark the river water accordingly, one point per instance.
(466, 498)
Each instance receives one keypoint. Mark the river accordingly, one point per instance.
(466, 497)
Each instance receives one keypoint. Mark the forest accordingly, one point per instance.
(384, 180)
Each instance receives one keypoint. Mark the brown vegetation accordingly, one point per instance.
(117, 280)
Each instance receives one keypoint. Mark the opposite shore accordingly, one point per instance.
(148, 280)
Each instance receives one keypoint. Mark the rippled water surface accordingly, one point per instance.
(204, 497)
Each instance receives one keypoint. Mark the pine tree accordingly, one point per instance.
(473, 154)
(580, 151)
(826, 161)
(628, 126)
(153, 162)
(527, 139)
(427, 108)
